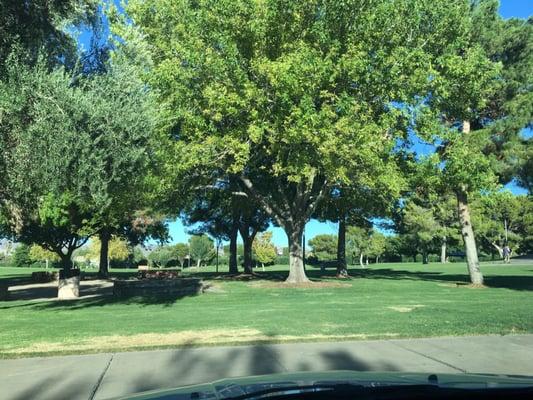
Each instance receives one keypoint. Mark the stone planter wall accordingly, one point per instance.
(4, 290)
(179, 287)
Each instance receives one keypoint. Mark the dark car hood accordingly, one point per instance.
(233, 387)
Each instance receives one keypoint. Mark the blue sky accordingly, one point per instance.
(508, 9)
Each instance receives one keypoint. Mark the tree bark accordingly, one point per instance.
(247, 249)
(296, 266)
(443, 251)
(377, 259)
(469, 240)
(247, 240)
(342, 270)
(66, 262)
(361, 260)
(425, 259)
(500, 249)
(233, 266)
(198, 262)
(103, 265)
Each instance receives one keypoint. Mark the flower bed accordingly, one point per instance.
(158, 274)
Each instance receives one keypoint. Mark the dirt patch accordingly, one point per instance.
(470, 285)
(242, 277)
(213, 288)
(307, 285)
(462, 285)
(404, 309)
(179, 339)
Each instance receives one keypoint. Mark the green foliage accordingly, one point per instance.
(118, 249)
(324, 247)
(263, 248)
(502, 217)
(40, 254)
(91, 170)
(357, 241)
(181, 251)
(306, 88)
(201, 248)
(21, 256)
(162, 256)
(40, 27)
(377, 245)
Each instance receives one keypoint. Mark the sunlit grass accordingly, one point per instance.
(382, 301)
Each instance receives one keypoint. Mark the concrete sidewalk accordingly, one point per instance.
(102, 376)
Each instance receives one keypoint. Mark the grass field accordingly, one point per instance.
(382, 301)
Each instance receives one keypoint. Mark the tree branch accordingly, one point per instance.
(271, 210)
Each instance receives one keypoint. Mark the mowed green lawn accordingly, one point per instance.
(382, 301)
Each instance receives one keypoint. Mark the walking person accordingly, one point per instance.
(507, 254)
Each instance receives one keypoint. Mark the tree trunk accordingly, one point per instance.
(296, 266)
(247, 249)
(66, 262)
(247, 240)
(443, 251)
(361, 260)
(342, 270)
(414, 258)
(377, 259)
(500, 249)
(103, 269)
(468, 238)
(198, 262)
(233, 267)
(366, 259)
(425, 257)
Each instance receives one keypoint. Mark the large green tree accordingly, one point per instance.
(118, 153)
(43, 115)
(484, 105)
(90, 178)
(293, 97)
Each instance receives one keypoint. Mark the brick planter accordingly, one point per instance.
(179, 287)
(43, 276)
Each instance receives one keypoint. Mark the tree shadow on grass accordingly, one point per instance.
(514, 282)
(109, 299)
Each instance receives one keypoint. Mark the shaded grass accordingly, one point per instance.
(382, 301)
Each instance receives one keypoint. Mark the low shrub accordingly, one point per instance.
(158, 274)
